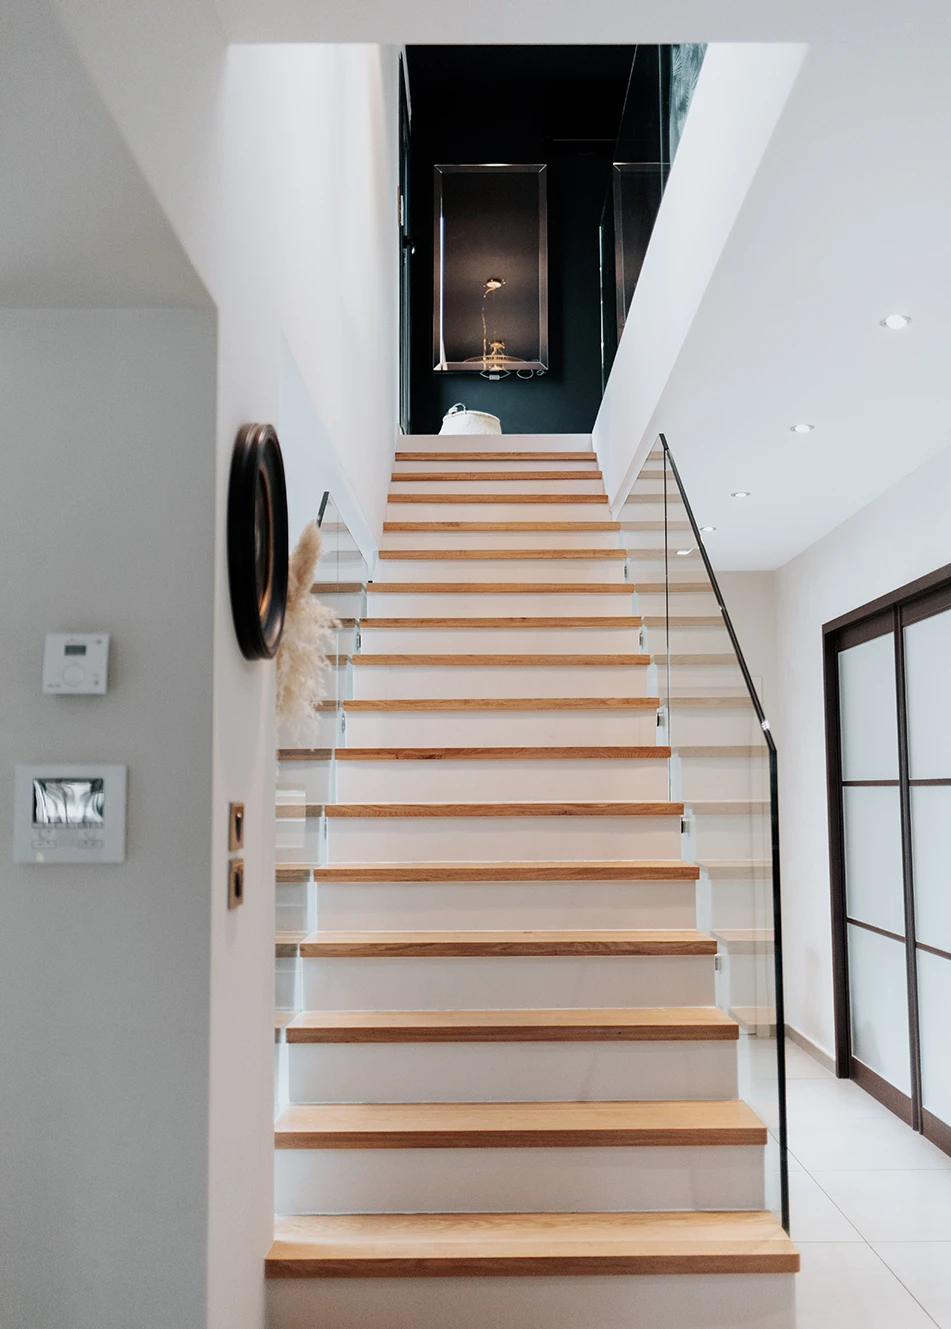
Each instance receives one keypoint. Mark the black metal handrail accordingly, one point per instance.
(323, 507)
(773, 810)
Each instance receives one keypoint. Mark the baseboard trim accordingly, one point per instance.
(813, 1049)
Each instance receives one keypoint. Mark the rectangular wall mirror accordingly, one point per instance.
(490, 278)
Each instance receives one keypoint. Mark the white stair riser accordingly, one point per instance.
(678, 568)
(498, 569)
(482, 781)
(501, 511)
(294, 907)
(489, 641)
(722, 680)
(651, 534)
(703, 1301)
(723, 777)
(467, 839)
(346, 604)
(297, 840)
(734, 904)
(287, 985)
(376, 682)
(493, 464)
(502, 982)
(518, 1180)
(684, 641)
(739, 836)
(502, 487)
(337, 564)
(326, 732)
(502, 539)
(509, 728)
(413, 906)
(510, 1072)
(681, 602)
(494, 443)
(650, 507)
(502, 604)
(723, 725)
(313, 778)
(746, 980)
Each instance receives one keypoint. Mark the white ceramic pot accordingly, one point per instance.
(458, 420)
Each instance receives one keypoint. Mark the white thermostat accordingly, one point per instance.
(69, 814)
(75, 663)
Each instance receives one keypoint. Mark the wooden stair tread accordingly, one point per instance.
(730, 807)
(645, 1123)
(681, 587)
(286, 944)
(304, 754)
(497, 456)
(536, 621)
(588, 752)
(503, 555)
(723, 658)
(500, 588)
(509, 808)
(552, 870)
(573, 526)
(499, 660)
(638, 1024)
(503, 704)
(441, 477)
(441, 1245)
(589, 942)
(504, 499)
(683, 621)
(290, 874)
(327, 587)
(736, 869)
(732, 750)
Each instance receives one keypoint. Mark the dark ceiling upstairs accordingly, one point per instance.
(560, 105)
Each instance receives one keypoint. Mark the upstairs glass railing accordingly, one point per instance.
(723, 768)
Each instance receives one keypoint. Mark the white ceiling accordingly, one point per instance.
(78, 223)
(847, 220)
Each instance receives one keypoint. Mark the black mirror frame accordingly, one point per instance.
(258, 622)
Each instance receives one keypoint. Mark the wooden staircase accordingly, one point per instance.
(507, 1064)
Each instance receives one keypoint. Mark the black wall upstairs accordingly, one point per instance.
(557, 104)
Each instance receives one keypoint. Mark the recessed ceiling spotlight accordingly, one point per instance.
(707, 529)
(740, 493)
(801, 429)
(682, 553)
(896, 322)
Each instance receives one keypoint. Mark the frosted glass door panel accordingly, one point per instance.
(879, 1006)
(873, 871)
(928, 674)
(868, 710)
(934, 1003)
(931, 855)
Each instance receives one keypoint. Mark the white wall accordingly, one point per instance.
(276, 169)
(108, 482)
(903, 535)
(739, 97)
(750, 598)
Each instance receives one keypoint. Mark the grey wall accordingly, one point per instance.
(108, 482)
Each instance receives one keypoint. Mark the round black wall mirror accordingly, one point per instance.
(257, 541)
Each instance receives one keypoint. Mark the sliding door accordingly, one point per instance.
(888, 677)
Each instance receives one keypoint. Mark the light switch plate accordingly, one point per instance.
(75, 663)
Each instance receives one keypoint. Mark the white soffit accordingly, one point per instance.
(847, 221)
(79, 226)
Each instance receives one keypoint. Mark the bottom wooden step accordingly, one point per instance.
(452, 1245)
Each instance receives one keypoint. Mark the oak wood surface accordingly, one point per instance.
(637, 1025)
(497, 456)
(503, 704)
(574, 526)
(643, 1124)
(579, 753)
(681, 587)
(286, 875)
(286, 944)
(504, 555)
(498, 660)
(590, 942)
(589, 808)
(553, 870)
(500, 588)
(497, 498)
(538, 621)
(443, 476)
(461, 1245)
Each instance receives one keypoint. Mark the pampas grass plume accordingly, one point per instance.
(302, 662)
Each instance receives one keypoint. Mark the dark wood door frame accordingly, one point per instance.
(889, 613)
